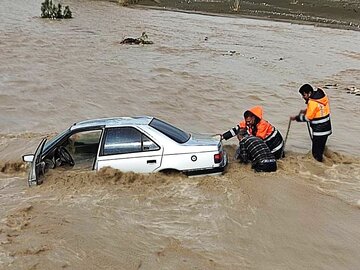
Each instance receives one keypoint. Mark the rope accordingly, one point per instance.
(287, 133)
(310, 134)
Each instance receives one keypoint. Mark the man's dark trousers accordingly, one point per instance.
(318, 147)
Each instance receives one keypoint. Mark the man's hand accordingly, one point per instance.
(220, 135)
(292, 118)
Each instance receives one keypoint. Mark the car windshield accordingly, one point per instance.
(55, 139)
(172, 132)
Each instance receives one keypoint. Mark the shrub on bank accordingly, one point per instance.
(51, 11)
(128, 2)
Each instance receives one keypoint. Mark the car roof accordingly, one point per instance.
(112, 122)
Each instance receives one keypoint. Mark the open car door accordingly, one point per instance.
(37, 165)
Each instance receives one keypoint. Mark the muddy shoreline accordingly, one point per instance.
(334, 14)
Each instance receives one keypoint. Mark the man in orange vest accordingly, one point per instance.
(317, 114)
(260, 128)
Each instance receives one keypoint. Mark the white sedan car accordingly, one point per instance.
(139, 144)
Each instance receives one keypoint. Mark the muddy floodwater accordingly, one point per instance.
(200, 74)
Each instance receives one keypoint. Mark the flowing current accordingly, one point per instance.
(200, 74)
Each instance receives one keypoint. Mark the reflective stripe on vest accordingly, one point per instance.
(277, 147)
(271, 135)
(320, 120)
(323, 133)
(303, 118)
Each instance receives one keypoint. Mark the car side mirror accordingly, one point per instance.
(28, 158)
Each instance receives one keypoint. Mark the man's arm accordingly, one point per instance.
(301, 117)
(230, 133)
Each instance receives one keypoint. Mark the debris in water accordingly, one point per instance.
(231, 53)
(136, 41)
(329, 85)
(353, 90)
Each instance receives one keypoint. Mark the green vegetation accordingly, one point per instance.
(50, 10)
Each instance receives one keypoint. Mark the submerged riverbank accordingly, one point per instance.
(329, 13)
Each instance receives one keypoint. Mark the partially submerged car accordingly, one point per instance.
(138, 144)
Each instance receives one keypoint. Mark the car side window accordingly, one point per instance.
(122, 141)
(127, 140)
(83, 147)
(148, 144)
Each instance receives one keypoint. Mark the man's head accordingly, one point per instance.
(306, 90)
(250, 118)
(242, 132)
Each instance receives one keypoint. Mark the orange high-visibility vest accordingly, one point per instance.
(317, 113)
(317, 108)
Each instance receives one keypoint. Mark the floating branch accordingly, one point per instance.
(135, 41)
(353, 90)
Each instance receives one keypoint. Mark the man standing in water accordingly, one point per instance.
(318, 114)
(254, 149)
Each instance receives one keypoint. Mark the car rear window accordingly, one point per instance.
(172, 132)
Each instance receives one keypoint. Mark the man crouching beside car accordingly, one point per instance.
(253, 149)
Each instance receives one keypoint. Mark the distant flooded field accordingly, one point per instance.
(330, 13)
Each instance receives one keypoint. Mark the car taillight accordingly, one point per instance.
(218, 157)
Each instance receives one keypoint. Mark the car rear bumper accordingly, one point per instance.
(209, 171)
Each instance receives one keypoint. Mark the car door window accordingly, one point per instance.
(122, 141)
(148, 144)
(83, 147)
(127, 140)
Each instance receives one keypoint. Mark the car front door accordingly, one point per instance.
(129, 149)
(37, 166)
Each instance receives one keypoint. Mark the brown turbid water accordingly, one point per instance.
(54, 73)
